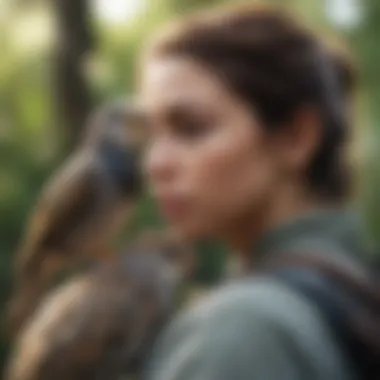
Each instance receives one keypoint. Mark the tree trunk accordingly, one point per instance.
(71, 93)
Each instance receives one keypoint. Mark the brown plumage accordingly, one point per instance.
(82, 206)
(102, 324)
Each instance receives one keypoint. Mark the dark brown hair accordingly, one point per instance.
(273, 62)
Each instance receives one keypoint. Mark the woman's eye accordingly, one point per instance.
(192, 129)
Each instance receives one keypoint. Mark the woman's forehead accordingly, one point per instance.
(173, 82)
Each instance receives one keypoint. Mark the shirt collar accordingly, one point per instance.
(334, 224)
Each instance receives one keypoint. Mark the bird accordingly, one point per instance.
(82, 206)
(103, 323)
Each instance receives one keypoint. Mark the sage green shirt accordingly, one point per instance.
(257, 328)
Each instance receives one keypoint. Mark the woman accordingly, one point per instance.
(249, 123)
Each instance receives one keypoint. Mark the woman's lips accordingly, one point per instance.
(171, 207)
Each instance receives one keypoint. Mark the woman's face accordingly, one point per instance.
(209, 162)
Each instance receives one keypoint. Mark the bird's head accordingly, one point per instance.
(119, 123)
(117, 133)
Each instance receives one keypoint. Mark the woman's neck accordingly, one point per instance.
(283, 206)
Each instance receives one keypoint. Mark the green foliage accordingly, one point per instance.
(366, 40)
(210, 262)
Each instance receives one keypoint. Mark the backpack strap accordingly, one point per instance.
(338, 305)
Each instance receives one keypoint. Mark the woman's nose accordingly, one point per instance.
(161, 162)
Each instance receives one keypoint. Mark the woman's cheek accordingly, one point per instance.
(204, 164)
(206, 175)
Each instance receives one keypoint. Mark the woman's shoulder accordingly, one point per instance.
(253, 301)
(260, 316)
(254, 298)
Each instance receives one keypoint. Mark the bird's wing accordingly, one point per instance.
(65, 202)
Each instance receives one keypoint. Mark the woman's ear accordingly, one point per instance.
(299, 140)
